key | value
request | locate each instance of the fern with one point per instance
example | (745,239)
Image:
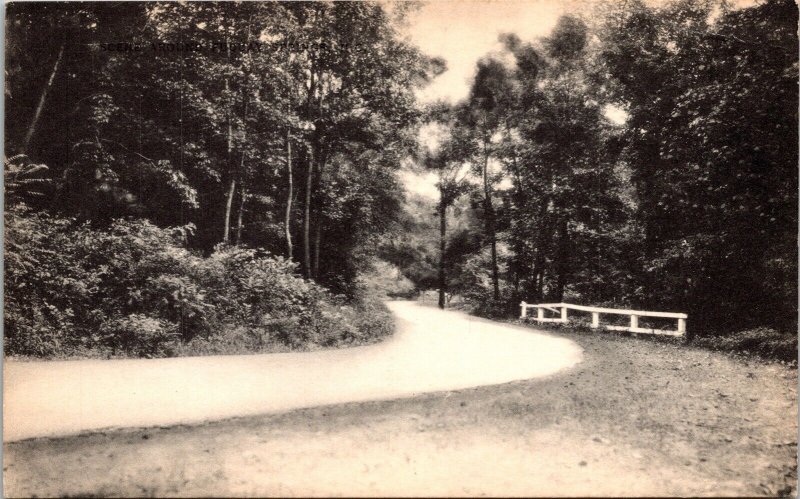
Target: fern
(22,178)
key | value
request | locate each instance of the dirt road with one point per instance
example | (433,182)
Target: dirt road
(633,418)
(431,351)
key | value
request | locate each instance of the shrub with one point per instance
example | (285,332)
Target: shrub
(141,335)
(48,291)
(762,341)
(144,269)
(489,307)
(133,289)
(372,319)
(386,279)
(476,288)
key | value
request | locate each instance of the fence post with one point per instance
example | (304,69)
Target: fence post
(595,320)
(524,311)
(634,321)
(564,314)
(539,314)
(682,326)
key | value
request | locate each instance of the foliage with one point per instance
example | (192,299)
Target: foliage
(765,342)
(140,335)
(561,226)
(197,128)
(711,143)
(199,121)
(446,161)
(23,180)
(133,290)
(386,280)
(47,290)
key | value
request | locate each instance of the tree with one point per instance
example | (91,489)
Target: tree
(446,159)
(717,192)
(243,119)
(490,96)
(411,243)
(347,89)
(65,27)
(563,214)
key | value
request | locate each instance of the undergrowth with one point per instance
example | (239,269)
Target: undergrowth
(134,290)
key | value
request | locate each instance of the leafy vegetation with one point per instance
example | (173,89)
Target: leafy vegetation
(762,341)
(133,289)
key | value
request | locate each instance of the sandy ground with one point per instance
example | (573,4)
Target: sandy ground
(431,351)
(633,418)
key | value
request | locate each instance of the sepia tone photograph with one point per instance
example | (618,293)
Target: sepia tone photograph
(443,248)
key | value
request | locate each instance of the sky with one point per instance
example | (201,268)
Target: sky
(463,31)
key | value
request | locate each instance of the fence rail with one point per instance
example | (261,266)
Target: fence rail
(562,308)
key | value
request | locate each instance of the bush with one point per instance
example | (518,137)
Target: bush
(349,325)
(475,286)
(386,279)
(489,307)
(373,320)
(69,288)
(762,341)
(48,290)
(141,336)
(133,290)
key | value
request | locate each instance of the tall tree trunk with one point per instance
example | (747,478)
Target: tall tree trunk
(317,241)
(518,202)
(240,173)
(489,216)
(232,189)
(321,160)
(535,284)
(311,113)
(42,99)
(288,217)
(307,214)
(650,248)
(228,209)
(561,262)
(495,271)
(545,240)
(540,283)
(240,216)
(442,247)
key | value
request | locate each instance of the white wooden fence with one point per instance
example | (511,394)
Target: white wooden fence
(561,309)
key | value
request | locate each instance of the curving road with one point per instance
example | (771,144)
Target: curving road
(432,350)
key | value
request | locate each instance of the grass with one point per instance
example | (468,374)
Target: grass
(763,343)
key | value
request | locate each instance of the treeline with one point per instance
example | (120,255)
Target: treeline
(291,149)
(646,157)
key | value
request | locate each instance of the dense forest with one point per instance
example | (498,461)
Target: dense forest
(222,177)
